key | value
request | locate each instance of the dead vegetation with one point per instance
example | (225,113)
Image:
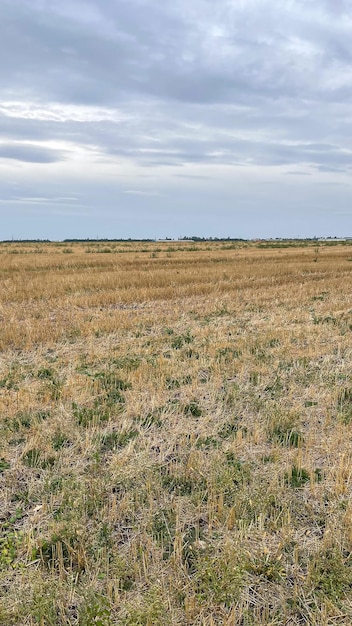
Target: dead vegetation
(175,434)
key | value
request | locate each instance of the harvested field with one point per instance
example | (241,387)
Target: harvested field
(175,429)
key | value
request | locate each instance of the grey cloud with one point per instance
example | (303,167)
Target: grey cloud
(298,173)
(30,153)
(179,143)
(168,51)
(330,168)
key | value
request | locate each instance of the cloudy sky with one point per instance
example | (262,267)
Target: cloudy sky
(155,118)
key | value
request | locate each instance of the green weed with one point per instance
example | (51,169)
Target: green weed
(4,465)
(88,415)
(192,408)
(344,405)
(36,458)
(297,477)
(219,578)
(116,440)
(330,573)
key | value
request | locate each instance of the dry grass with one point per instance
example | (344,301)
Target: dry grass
(175,434)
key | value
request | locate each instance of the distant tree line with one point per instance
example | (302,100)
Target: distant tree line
(195,238)
(25,241)
(104,240)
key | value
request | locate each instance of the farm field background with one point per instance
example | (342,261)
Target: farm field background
(175,434)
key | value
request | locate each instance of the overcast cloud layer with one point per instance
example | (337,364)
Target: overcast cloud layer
(141,118)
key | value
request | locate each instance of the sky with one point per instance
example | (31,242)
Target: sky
(172,118)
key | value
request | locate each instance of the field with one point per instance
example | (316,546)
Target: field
(175,433)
